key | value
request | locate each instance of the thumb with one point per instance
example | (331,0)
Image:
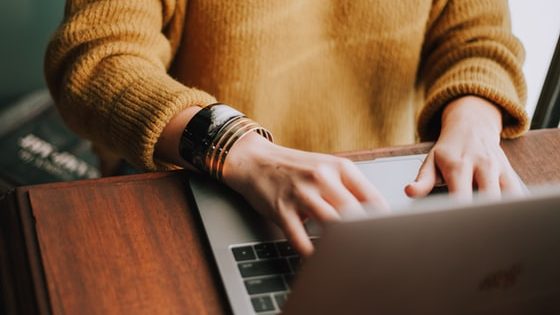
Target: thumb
(425,180)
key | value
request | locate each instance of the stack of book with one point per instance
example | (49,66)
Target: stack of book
(36,146)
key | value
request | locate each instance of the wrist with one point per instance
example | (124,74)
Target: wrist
(167,146)
(211,133)
(473,113)
(249,151)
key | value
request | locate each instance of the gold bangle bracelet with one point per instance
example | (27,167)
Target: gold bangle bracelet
(210,134)
(218,144)
(238,134)
(223,142)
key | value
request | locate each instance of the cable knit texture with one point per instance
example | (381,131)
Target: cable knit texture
(322,75)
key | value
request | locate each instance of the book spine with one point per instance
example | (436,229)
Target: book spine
(24,110)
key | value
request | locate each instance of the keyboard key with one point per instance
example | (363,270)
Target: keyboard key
(280,299)
(243,253)
(262,304)
(265,285)
(266,250)
(285,249)
(263,267)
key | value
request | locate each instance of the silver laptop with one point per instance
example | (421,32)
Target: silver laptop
(414,260)
(486,257)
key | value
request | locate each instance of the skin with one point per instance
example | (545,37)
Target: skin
(288,185)
(468,153)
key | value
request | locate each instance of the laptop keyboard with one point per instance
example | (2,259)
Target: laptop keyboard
(267,270)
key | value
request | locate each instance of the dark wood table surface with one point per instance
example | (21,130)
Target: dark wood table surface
(132,245)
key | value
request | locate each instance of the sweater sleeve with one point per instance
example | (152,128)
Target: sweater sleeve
(469,50)
(106,68)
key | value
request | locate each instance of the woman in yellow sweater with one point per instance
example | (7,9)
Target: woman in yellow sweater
(321,76)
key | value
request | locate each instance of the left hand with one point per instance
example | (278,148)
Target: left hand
(468,153)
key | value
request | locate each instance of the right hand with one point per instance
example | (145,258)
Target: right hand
(288,185)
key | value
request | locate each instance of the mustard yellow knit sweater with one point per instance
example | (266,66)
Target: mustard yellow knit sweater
(322,75)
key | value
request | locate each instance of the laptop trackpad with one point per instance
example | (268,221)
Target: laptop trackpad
(391,175)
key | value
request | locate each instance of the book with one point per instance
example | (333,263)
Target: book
(37,147)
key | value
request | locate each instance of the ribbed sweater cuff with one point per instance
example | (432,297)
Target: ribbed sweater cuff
(143,110)
(478,77)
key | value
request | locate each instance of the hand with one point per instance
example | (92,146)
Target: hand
(288,185)
(468,153)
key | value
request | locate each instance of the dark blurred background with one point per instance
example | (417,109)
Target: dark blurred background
(35,145)
(25,28)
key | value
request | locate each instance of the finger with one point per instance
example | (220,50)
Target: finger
(510,183)
(336,194)
(296,233)
(459,179)
(487,180)
(425,180)
(362,189)
(311,203)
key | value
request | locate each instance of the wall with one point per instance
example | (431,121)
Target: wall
(25,27)
(537,24)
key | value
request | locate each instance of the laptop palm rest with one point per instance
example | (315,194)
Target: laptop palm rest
(228,218)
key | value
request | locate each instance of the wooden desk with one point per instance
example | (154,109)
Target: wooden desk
(130,245)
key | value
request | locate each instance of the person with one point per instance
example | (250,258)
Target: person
(136,77)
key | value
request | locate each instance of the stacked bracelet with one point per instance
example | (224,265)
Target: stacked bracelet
(210,135)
